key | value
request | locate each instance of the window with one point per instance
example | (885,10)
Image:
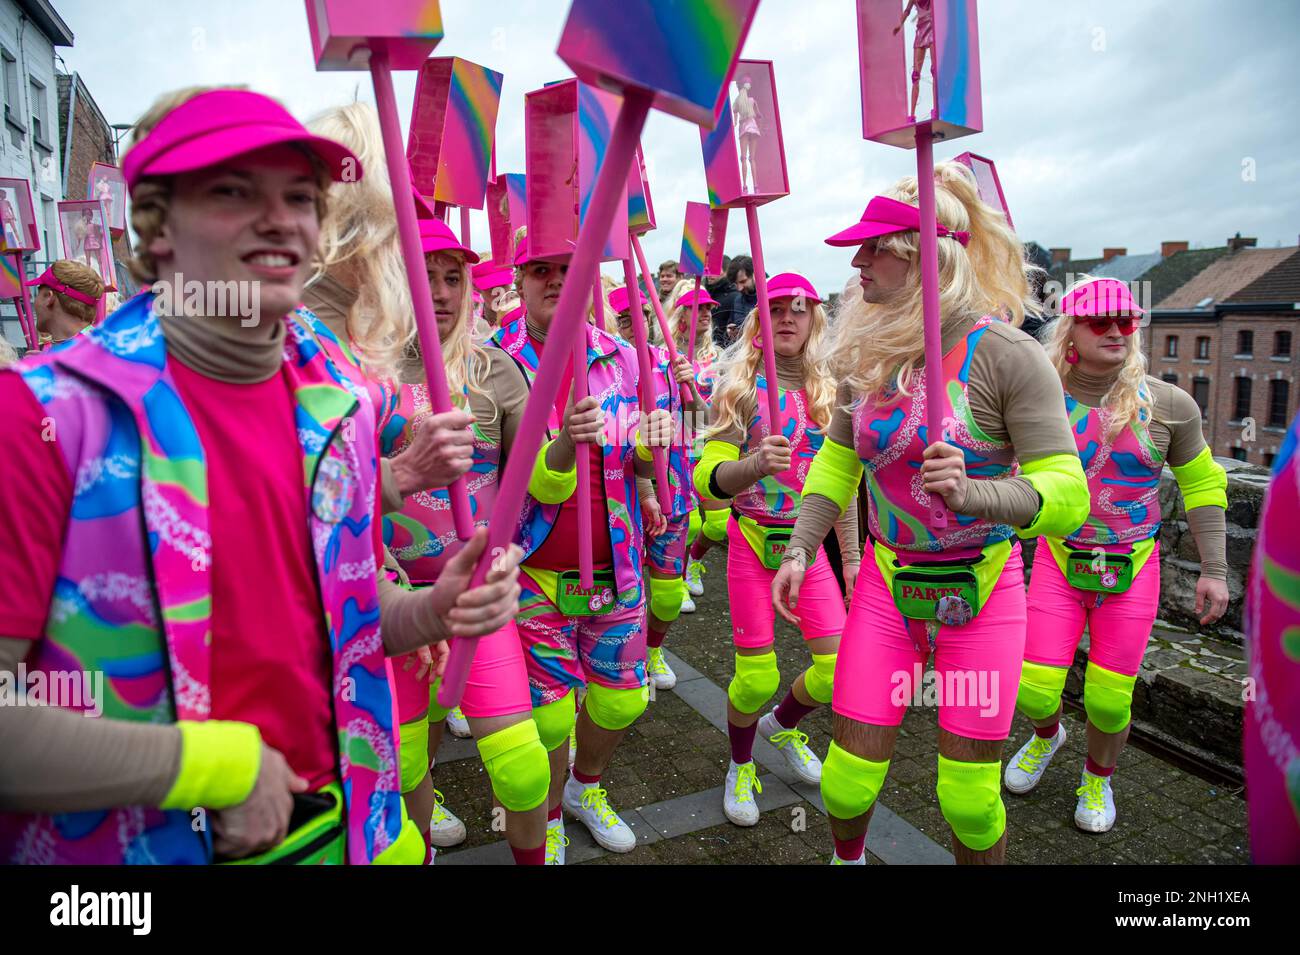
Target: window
(1171,346)
(1239,454)
(1241,399)
(1279,394)
(1281,344)
(12,112)
(1201,395)
(1268,459)
(1203,347)
(39,128)
(1245,343)
(1170,376)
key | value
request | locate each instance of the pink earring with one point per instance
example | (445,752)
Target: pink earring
(1072,355)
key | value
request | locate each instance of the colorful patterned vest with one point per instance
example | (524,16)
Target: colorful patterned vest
(133,595)
(891,439)
(668,395)
(1123,477)
(774,499)
(612,378)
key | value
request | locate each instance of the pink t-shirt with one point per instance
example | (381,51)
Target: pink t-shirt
(270,652)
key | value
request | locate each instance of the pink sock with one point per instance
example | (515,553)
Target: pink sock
(553,815)
(584,778)
(530,856)
(700,547)
(1047,732)
(742,742)
(850,850)
(1096,768)
(791,711)
(654,638)
(428,848)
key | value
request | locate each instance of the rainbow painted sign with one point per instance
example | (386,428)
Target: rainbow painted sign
(703,235)
(567,127)
(11,283)
(684,51)
(987,181)
(506,212)
(947,44)
(640,207)
(453,127)
(340,29)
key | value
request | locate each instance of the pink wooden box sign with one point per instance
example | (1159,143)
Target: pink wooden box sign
(506,212)
(640,207)
(453,126)
(567,126)
(986,179)
(18,217)
(407,29)
(703,235)
(682,50)
(886,61)
(744,155)
(84,227)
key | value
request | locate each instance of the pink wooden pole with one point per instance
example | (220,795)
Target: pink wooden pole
(570,311)
(464,227)
(426,323)
(695,320)
(26,315)
(688,391)
(930,303)
(764,320)
(646,381)
(582,452)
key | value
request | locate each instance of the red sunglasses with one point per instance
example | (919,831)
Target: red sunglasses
(1100,325)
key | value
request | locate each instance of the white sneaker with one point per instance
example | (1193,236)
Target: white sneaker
(793,746)
(657,668)
(695,577)
(860,860)
(556,841)
(590,806)
(445,829)
(1026,769)
(688,605)
(457,725)
(738,803)
(1095,811)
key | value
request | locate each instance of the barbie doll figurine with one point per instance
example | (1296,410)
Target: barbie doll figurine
(745,112)
(104,193)
(924,40)
(91,234)
(9,221)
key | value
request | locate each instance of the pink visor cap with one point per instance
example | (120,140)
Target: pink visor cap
(618,299)
(490,275)
(693,296)
(885,216)
(48,280)
(791,285)
(436,236)
(1099,297)
(220,125)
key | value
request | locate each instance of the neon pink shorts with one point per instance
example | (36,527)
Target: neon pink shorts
(497,686)
(1118,630)
(976,677)
(666,553)
(749,590)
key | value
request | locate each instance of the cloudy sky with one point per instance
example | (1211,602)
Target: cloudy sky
(1113,122)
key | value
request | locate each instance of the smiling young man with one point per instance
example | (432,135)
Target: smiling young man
(190,509)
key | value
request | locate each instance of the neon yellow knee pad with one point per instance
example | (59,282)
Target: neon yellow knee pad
(693,524)
(1108,698)
(517,765)
(666,598)
(615,709)
(554,721)
(819,679)
(1040,690)
(970,798)
(755,681)
(850,784)
(715,524)
(413,753)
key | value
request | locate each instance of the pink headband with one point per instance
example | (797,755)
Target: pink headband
(47,280)
(885,216)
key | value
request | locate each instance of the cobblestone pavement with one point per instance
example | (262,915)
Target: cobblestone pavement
(667,774)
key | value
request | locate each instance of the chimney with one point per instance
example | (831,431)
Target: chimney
(1059,256)
(1237,242)
(1169,248)
(1108,254)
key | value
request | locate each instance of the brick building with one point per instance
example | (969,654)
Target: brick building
(1227,337)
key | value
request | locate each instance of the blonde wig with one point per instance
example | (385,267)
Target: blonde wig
(679,322)
(879,344)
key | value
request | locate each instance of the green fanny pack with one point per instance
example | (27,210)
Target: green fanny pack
(1099,569)
(573,600)
(316,836)
(951,592)
(769,542)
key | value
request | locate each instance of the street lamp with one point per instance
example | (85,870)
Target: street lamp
(119,130)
